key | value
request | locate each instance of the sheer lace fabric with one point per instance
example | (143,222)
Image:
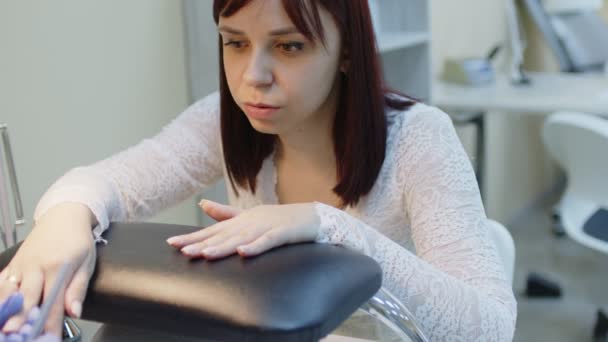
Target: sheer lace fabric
(423,221)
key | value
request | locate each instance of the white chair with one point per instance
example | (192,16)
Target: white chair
(579,144)
(505,246)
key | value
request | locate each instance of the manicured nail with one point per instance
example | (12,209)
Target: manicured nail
(209,251)
(76,308)
(11,326)
(173,240)
(190,250)
(202,202)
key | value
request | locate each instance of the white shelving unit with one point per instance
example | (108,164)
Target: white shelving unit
(391,41)
(403,37)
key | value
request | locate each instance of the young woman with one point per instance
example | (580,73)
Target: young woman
(312,148)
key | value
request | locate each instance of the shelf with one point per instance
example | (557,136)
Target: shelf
(389,41)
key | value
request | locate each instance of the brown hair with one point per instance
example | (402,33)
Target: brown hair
(359,128)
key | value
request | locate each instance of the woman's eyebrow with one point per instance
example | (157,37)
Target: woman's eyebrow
(277,32)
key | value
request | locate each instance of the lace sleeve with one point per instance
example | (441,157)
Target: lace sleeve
(455,284)
(157,173)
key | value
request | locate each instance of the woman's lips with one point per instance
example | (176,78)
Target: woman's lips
(260,110)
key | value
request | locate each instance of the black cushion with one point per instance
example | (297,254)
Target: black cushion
(299,292)
(597,225)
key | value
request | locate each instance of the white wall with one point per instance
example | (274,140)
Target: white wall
(83,79)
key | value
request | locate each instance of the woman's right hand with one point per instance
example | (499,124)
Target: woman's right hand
(62,235)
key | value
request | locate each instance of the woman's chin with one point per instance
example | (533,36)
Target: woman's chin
(264,126)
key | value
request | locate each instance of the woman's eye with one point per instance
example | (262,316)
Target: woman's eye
(237,44)
(291,46)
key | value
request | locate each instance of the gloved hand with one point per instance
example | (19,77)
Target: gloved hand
(12,306)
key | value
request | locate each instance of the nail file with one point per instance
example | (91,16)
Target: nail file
(48,303)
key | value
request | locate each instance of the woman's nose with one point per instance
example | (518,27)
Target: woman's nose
(259,71)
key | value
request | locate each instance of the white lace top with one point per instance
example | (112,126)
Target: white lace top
(423,220)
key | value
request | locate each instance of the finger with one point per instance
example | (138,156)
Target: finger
(272,238)
(54,323)
(31,288)
(6,283)
(180,241)
(197,249)
(228,247)
(76,292)
(6,288)
(217,211)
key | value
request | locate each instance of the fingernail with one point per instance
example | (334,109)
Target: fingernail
(173,240)
(202,202)
(209,251)
(191,250)
(11,326)
(76,308)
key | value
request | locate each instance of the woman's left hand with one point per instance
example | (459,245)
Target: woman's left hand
(249,232)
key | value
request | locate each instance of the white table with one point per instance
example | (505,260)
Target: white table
(547,92)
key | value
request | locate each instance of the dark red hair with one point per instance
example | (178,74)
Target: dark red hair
(359,129)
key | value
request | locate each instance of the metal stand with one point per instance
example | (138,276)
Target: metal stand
(386,308)
(71,331)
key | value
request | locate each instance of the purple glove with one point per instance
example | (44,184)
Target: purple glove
(10,307)
(20,338)
(47,337)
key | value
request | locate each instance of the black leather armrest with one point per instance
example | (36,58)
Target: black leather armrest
(299,292)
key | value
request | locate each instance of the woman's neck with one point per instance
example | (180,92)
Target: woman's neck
(306,169)
(311,149)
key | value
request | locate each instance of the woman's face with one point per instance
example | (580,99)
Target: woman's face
(282,82)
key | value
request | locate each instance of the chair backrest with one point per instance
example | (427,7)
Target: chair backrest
(574,31)
(505,246)
(579,143)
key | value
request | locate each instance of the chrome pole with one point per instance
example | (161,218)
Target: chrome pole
(9,233)
(20,218)
(389,310)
